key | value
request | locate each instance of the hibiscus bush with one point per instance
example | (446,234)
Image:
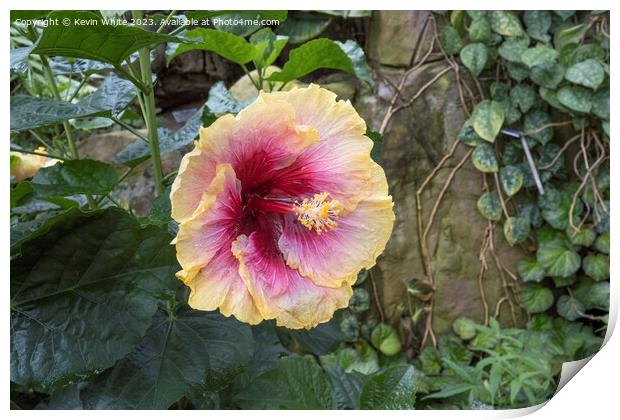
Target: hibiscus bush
(247,282)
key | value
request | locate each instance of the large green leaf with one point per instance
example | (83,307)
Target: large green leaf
(576,98)
(320,53)
(547,75)
(487,119)
(230,46)
(391,389)
(139,151)
(538,55)
(569,307)
(596,266)
(536,298)
(505,22)
(530,269)
(558,258)
(83,293)
(109,100)
(88,36)
(296,383)
(180,352)
(474,57)
(588,73)
(484,158)
(71,177)
(347,387)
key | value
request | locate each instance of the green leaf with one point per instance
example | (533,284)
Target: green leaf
(511,178)
(583,237)
(530,269)
(487,119)
(322,53)
(138,151)
(346,386)
(385,339)
(392,389)
(363,359)
(296,383)
(547,75)
(524,96)
(505,22)
(539,55)
(109,100)
(571,35)
(517,71)
(600,104)
(484,158)
(489,206)
(268,47)
(594,295)
(558,258)
(538,23)
(321,339)
(596,266)
(516,230)
(178,353)
(302,28)
(588,73)
(93,39)
(533,121)
(536,298)
(450,40)
(464,328)
(229,21)
(230,46)
(569,308)
(474,57)
(512,48)
(358,59)
(602,243)
(480,30)
(469,136)
(430,360)
(576,98)
(72,177)
(83,292)
(19,59)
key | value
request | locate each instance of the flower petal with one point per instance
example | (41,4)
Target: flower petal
(340,162)
(281,292)
(218,285)
(335,257)
(213,223)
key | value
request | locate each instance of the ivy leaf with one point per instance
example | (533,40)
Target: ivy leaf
(474,57)
(538,23)
(547,75)
(569,308)
(83,292)
(524,96)
(602,243)
(596,266)
(450,40)
(535,120)
(600,104)
(588,73)
(296,383)
(392,389)
(516,230)
(94,40)
(558,258)
(576,98)
(536,298)
(517,71)
(385,338)
(505,22)
(511,178)
(530,270)
(322,53)
(178,353)
(571,35)
(489,206)
(480,30)
(484,158)
(487,119)
(72,177)
(538,55)
(230,46)
(512,48)
(583,237)
(469,136)
(594,295)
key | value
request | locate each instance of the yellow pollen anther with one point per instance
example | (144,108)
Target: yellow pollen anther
(318,212)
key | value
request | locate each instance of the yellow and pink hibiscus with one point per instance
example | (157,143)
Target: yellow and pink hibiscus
(26,165)
(279,208)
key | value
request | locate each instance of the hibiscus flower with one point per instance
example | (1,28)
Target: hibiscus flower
(26,165)
(279,208)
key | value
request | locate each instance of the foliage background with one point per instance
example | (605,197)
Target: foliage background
(98,319)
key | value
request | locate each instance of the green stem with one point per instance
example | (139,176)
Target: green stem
(247,73)
(32,152)
(52,82)
(165,22)
(149,114)
(77,89)
(131,129)
(39,139)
